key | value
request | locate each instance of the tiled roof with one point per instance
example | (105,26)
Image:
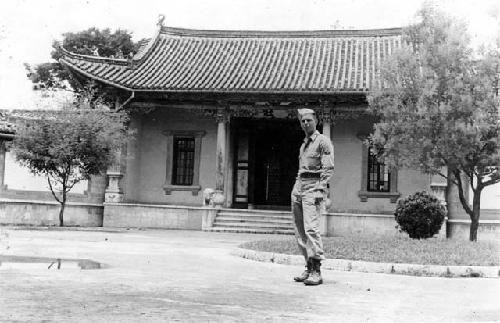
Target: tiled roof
(7,128)
(247,61)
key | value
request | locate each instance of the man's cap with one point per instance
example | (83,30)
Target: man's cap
(304,111)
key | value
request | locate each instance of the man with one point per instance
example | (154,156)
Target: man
(309,194)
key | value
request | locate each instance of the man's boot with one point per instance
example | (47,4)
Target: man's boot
(315,276)
(306,273)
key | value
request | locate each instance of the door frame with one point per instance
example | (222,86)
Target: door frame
(242,125)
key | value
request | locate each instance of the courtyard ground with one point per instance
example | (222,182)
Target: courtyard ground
(190,276)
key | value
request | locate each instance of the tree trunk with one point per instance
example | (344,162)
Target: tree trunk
(474,225)
(473,212)
(61,211)
(476,207)
(61,215)
(474,218)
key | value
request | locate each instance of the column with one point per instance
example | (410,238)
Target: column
(228,186)
(327,123)
(221,118)
(2,164)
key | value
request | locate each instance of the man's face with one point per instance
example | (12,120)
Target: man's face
(308,123)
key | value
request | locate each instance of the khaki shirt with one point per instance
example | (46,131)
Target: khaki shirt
(316,157)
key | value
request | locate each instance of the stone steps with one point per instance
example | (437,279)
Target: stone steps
(249,230)
(256,216)
(271,226)
(256,219)
(253,221)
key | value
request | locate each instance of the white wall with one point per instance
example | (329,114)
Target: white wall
(490,197)
(20,178)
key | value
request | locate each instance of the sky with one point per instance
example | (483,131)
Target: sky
(28,27)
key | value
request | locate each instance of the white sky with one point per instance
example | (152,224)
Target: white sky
(27,27)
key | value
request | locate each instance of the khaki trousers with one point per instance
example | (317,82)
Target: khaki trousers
(307,209)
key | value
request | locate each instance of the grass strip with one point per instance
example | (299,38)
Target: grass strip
(397,249)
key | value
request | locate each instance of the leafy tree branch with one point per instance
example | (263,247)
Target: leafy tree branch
(439,107)
(69,145)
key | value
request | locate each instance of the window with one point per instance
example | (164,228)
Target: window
(377,180)
(183,161)
(378,174)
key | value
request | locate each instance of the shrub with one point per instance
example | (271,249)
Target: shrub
(420,215)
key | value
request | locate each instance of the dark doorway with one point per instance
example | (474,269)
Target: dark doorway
(275,163)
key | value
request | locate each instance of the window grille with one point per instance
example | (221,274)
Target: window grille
(183,168)
(379,177)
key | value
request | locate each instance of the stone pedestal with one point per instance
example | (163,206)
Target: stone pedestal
(208,218)
(114,192)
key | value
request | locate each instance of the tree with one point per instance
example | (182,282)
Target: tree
(104,43)
(439,108)
(70,145)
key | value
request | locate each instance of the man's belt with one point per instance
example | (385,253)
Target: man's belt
(310,175)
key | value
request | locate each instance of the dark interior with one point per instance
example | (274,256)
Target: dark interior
(273,159)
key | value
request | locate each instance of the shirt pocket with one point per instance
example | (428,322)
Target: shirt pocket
(313,160)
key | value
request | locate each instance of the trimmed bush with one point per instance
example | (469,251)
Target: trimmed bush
(420,215)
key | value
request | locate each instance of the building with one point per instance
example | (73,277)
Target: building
(217,110)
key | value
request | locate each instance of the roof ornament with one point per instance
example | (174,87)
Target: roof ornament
(95,50)
(161,18)
(119,54)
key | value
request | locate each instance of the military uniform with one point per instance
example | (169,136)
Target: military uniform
(309,195)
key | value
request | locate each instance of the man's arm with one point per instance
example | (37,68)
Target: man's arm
(327,163)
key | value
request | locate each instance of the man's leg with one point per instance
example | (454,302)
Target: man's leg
(298,218)
(312,215)
(300,234)
(311,209)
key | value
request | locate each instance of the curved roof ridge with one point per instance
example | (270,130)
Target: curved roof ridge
(144,50)
(281,33)
(97,59)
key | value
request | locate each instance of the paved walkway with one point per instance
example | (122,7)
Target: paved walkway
(191,277)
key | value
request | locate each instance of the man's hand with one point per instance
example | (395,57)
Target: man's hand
(319,196)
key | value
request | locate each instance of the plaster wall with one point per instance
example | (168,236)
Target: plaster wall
(147,157)
(460,228)
(35,213)
(153,216)
(347,138)
(18,177)
(490,197)
(131,162)
(355,224)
